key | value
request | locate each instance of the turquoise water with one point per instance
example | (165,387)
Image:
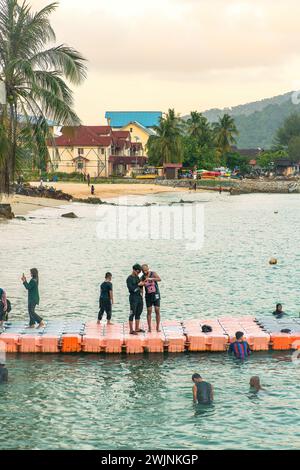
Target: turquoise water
(144,402)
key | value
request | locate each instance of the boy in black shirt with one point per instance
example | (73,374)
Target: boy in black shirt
(106,299)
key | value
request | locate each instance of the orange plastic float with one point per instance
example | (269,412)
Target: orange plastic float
(199,341)
(284,341)
(155,341)
(174,336)
(71,343)
(113,338)
(10,341)
(49,343)
(133,344)
(30,343)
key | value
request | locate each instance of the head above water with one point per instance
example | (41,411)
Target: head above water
(34,274)
(137,268)
(239,335)
(108,276)
(279,307)
(196,378)
(255,382)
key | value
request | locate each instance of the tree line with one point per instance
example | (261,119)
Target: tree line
(193,142)
(196,142)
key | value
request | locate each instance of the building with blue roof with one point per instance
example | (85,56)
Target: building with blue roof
(119,119)
(140,124)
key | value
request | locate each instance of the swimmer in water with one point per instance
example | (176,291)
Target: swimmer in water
(202,391)
(255,384)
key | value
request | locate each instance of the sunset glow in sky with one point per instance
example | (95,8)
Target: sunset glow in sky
(187,54)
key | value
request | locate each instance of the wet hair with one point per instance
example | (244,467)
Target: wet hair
(35,274)
(278,305)
(196,376)
(239,334)
(145,265)
(255,382)
(107,275)
(137,267)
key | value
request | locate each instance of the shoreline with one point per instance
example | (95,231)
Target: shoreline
(23,205)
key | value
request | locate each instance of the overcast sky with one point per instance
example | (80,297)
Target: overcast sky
(186,54)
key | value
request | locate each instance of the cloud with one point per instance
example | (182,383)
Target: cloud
(176,43)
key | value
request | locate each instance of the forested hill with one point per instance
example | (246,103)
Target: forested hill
(258,122)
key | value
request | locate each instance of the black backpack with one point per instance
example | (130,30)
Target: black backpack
(206,329)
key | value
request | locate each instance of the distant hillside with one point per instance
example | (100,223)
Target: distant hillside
(258,122)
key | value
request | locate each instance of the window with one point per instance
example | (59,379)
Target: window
(102,151)
(80,151)
(80,165)
(131,129)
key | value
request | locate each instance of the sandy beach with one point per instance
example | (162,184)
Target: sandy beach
(108,190)
(22,205)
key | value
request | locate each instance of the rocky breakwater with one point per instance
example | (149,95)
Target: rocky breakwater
(42,191)
(276,186)
(6,212)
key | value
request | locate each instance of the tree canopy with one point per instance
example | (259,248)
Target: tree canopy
(34,71)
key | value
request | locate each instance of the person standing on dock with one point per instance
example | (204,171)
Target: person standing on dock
(33,298)
(3,307)
(106,299)
(135,287)
(240,348)
(152,295)
(202,391)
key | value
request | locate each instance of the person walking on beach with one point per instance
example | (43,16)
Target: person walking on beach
(106,299)
(135,288)
(279,313)
(92,190)
(3,307)
(240,348)
(202,391)
(152,295)
(3,373)
(33,298)
(88,178)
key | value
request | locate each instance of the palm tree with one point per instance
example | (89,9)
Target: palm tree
(225,131)
(33,74)
(199,128)
(166,146)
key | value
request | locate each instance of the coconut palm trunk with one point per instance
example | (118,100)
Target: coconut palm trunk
(33,71)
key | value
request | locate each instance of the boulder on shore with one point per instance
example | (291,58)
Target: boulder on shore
(6,212)
(70,215)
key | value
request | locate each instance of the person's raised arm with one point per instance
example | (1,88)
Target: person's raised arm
(133,287)
(28,285)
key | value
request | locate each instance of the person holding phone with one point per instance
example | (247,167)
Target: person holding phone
(33,298)
(152,296)
(135,286)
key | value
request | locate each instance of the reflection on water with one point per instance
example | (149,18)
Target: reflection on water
(103,402)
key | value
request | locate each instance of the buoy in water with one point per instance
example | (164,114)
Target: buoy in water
(273,261)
